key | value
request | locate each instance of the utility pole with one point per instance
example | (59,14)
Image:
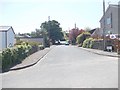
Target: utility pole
(48,18)
(75,25)
(48,31)
(104,25)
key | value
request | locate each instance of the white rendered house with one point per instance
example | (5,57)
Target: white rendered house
(7,36)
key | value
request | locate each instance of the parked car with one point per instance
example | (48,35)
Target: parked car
(66,43)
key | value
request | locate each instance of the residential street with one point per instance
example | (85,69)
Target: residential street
(66,67)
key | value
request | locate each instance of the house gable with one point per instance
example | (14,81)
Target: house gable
(6,29)
(7,37)
(109,7)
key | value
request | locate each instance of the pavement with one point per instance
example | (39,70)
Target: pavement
(101,52)
(34,58)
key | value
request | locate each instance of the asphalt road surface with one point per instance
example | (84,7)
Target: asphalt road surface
(66,67)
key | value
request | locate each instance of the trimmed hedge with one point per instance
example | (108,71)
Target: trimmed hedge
(12,56)
(88,43)
(41,47)
(16,54)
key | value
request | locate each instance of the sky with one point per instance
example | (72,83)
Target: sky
(27,15)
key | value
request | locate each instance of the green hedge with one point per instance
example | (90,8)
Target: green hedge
(12,56)
(88,43)
(41,47)
(15,55)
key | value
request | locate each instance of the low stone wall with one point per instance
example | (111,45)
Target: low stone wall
(114,43)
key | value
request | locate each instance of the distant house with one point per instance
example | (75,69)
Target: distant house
(91,31)
(97,33)
(7,35)
(111,20)
(31,39)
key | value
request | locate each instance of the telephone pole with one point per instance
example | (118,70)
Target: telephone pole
(75,25)
(104,25)
(48,18)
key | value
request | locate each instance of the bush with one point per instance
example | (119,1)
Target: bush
(88,43)
(34,47)
(28,43)
(41,47)
(14,55)
(31,47)
(21,52)
(18,42)
(79,45)
(33,43)
(6,58)
(82,37)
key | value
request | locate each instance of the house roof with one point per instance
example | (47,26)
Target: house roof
(6,28)
(91,31)
(97,32)
(110,6)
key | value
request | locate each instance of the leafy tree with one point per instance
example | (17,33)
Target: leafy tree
(53,30)
(73,34)
(37,33)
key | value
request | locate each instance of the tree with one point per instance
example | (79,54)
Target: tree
(53,29)
(73,34)
(37,33)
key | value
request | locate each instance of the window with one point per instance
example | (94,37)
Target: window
(108,21)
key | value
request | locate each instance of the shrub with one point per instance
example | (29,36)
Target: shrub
(88,43)
(18,42)
(91,43)
(33,43)
(82,37)
(30,47)
(6,58)
(21,52)
(41,47)
(14,55)
(34,47)
(79,45)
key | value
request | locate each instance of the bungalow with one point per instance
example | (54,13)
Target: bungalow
(7,35)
